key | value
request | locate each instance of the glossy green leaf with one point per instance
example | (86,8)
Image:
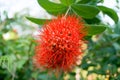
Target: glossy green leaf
(67,2)
(52,8)
(20,63)
(110,12)
(94,29)
(38,21)
(83,1)
(94,20)
(84,10)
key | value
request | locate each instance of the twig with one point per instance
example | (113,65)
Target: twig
(67,11)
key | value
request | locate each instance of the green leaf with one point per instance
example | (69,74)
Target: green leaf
(83,1)
(94,20)
(21,62)
(84,10)
(5,60)
(38,21)
(94,29)
(110,12)
(52,8)
(67,2)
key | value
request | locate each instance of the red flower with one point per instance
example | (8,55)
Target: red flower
(60,43)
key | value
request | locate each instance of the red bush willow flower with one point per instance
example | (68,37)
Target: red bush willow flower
(60,43)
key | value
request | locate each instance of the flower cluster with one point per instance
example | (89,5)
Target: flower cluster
(59,43)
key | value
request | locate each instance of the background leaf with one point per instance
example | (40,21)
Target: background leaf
(94,20)
(38,21)
(83,1)
(84,10)
(67,2)
(52,8)
(95,29)
(110,12)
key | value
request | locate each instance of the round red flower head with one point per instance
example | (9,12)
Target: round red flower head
(60,43)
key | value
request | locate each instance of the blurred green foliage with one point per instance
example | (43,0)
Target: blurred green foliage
(103,54)
(15,51)
(101,59)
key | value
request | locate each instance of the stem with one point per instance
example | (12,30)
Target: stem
(29,51)
(11,72)
(61,75)
(13,77)
(67,11)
